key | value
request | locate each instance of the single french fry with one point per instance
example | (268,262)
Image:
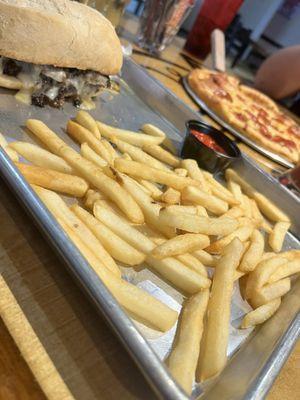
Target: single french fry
(236,191)
(139,170)
(269,209)
(181,172)
(88,170)
(201,211)
(254,253)
(261,275)
(135,138)
(214,355)
(140,304)
(53,180)
(276,237)
(243,233)
(181,244)
(87,121)
(87,152)
(60,210)
(270,292)
(291,254)
(41,157)
(154,131)
(162,155)
(137,154)
(197,224)
(196,173)
(260,314)
(182,361)
(247,207)
(12,154)
(10,82)
(175,208)
(207,259)
(113,244)
(83,135)
(195,195)
(285,270)
(171,196)
(112,152)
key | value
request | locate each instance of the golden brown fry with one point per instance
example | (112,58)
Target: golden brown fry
(265,205)
(88,170)
(41,157)
(197,224)
(12,154)
(154,190)
(214,355)
(261,314)
(197,196)
(243,233)
(53,180)
(234,212)
(171,196)
(139,170)
(113,244)
(91,197)
(270,292)
(181,244)
(254,253)
(82,135)
(161,154)
(219,190)
(88,153)
(60,210)
(152,130)
(87,121)
(236,191)
(137,139)
(110,149)
(181,172)
(182,361)
(137,154)
(207,259)
(276,237)
(285,270)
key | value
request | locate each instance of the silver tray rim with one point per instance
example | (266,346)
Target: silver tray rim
(272,156)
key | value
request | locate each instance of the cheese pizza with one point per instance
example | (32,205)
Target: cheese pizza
(249,111)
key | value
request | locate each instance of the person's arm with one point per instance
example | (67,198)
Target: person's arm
(279,75)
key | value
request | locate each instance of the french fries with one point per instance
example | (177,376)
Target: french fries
(113,244)
(254,253)
(137,139)
(214,356)
(197,224)
(260,314)
(197,196)
(182,361)
(285,270)
(12,154)
(85,119)
(139,170)
(87,152)
(59,209)
(181,244)
(270,292)
(53,180)
(171,196)
(243,233)
(176,232)
(152,130)
(277,236)
(83,135)
(41,157)
(265,205)
(195,172)
(137,154)
(88,170)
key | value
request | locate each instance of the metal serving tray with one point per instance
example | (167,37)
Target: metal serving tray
(255,356)
(273,156)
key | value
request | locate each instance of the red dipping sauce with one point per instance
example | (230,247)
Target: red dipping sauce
(208,141)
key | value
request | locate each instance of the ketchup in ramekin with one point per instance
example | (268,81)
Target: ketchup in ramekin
(213,150)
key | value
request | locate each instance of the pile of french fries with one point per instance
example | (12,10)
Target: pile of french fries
(138,204)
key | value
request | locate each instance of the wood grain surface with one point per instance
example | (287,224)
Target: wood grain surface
(82,347)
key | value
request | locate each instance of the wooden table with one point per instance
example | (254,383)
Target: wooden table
(83,349)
